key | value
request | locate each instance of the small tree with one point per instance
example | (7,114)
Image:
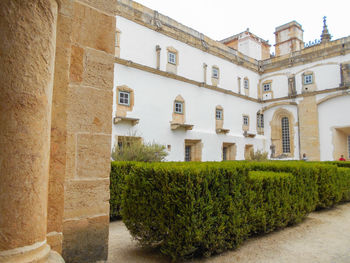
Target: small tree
(135,150)
(259,156)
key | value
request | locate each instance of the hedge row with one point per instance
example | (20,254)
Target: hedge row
(189,209)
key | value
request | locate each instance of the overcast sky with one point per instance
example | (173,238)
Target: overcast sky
(219,19)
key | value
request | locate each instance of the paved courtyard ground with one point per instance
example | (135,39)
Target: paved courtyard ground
(323,237)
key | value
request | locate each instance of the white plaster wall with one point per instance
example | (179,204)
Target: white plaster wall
(138,44)
(154,97)
(326,75)
(268,115)
(331,114)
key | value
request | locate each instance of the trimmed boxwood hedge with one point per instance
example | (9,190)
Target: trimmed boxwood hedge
(190,209)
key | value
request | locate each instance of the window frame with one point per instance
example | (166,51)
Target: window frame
(172,57)
(215,72)
(175,108)
(220,115)
(120,92)
(260,120)
(267,85)
(246,83)
(188,154)
(306,76)
(224,153)
(285,129)
(245,120)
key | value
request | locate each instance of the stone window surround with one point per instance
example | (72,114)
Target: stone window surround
(276,131)
(309,86)
(260,123)
(245,118)
(177,117)
(270,91)
(215,72)
(196,149)
(215,79)
(231,151)
(246,86)
(122,109)
(170,66)
(171,50)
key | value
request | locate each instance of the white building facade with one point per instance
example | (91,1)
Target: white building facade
(206,101)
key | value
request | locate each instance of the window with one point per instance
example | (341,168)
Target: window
(245,120)
(260,120)
(349,146)
(187,153)
(124,98)
(178,107)
(224,153)
(285,135)
(246,84)
(219,114)
(172,58)
(267,87)
(307,79)
(215,73)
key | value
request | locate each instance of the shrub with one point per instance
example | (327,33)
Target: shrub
(117,181)
(189,209)
(134,150)
(271,200)
(259,156)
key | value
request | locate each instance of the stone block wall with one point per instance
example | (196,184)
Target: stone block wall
(78,209)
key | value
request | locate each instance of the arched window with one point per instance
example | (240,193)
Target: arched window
(285,135)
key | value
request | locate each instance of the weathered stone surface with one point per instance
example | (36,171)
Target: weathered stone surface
(86,198)
(93,29)
(98,69)
(89,110)
(108,7)
(71,156)
(27,48)
(76,64)
(55,239)
(86,240)
(309,134)
(93,156)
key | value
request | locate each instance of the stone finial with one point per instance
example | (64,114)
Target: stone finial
(325,37)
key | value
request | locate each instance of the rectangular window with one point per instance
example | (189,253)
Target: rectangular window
(178,107)
(285,135)
(260,120)
(215,73)
(308,79)
(224,153)
(172,58)
(124,98)
(267,86)
(219,114)
(245,120)
(187,153)
(246,84)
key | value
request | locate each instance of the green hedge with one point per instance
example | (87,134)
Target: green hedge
(190,209)
(117,181)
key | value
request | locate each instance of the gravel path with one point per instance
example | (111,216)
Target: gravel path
(323,237)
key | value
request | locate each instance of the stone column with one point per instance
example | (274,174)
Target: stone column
(27,54)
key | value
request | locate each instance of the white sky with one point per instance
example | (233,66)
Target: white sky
(219,19)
